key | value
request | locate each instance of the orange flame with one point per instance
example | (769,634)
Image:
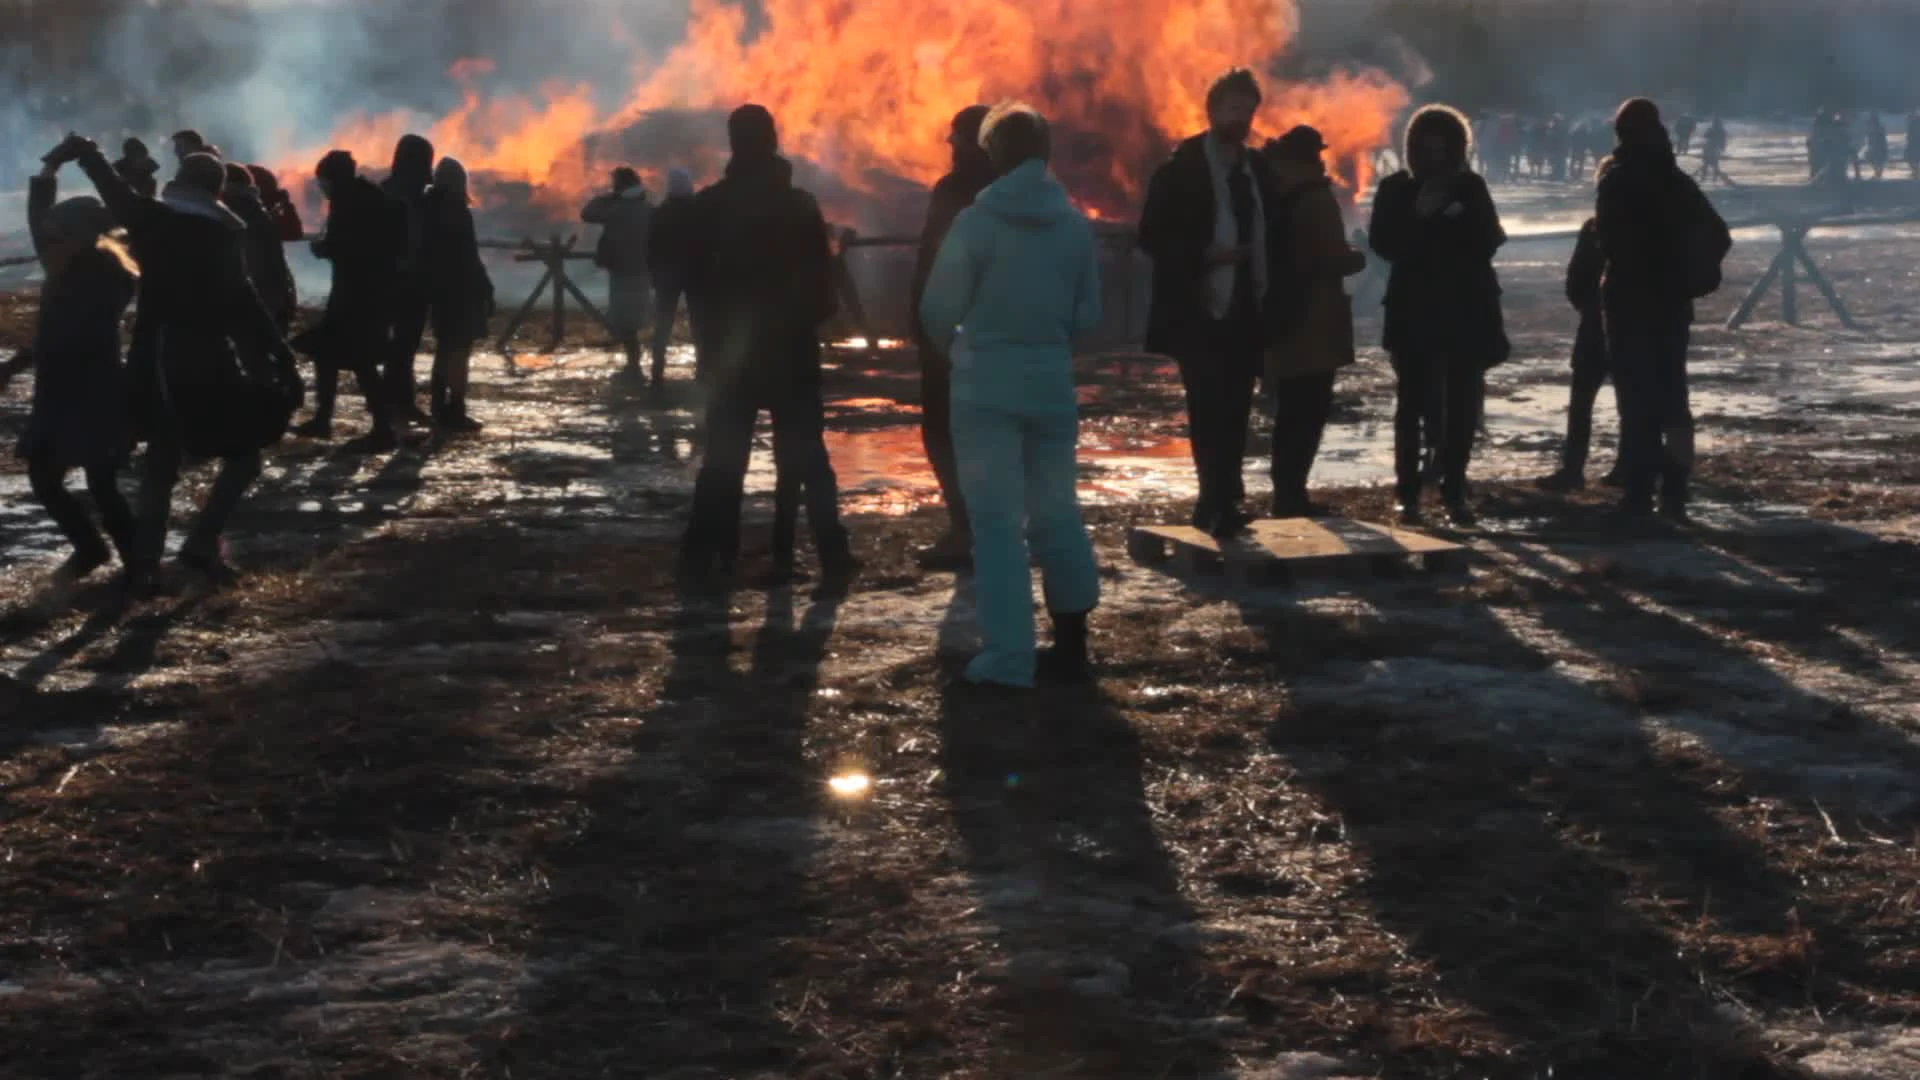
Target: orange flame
(865,91)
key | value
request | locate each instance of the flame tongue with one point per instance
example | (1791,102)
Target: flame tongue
(865,91)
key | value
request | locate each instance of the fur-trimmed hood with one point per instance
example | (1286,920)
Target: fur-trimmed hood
(1441,119)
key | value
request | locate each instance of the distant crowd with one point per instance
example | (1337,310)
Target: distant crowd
(1249,249)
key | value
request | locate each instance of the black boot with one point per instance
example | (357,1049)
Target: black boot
(1067,662)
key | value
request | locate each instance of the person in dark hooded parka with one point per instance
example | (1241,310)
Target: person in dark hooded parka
(266,253)
(462,294)
(971,173)
(361,240)
(210,374)
(79,418)
(1437,225)
(407,185)
(1658,232)
(137,167)
(762,277)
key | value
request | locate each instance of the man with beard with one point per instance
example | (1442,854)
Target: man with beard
(361,240)
(972,172)
(1204,227)
(210,373)
(762,270)
(407,184)
(1663,243)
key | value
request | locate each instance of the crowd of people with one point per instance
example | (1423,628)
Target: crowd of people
(1250,254)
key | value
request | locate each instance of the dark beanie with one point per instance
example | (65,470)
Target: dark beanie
(238,176)
(202,171)
(1303,143)
(337,167)
(1637,120)
(966,124)
(751,133)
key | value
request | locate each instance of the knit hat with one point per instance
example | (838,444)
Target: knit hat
(202,171)
(238,176)
(1303,143)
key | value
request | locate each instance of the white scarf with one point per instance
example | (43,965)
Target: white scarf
(1226,233)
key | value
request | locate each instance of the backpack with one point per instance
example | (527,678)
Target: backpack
(1703,238)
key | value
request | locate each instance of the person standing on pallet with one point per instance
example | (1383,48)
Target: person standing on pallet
(1204,227)
(624,217)
(972,172)
(1309,317)
(1017,280)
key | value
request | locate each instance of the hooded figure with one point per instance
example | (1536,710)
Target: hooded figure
(79,418)
(461,292)
(361,239)
(762,283)
(1435,223)
(210,372)
(1016,282)
(625,218)
(1204,227)
(1310,318)
(407,184)
(1656,228)
(137,167)
(266,253)
(972,171)
(668,255)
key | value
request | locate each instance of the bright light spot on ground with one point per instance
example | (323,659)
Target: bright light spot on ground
(850,785)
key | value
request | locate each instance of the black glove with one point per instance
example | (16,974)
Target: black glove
(72,148)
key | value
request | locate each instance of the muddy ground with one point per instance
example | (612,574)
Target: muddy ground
(458,783)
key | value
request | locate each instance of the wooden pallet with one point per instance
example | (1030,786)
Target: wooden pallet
(1288,548)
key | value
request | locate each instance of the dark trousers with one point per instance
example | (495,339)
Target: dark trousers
(666,304)
(360,347)
(452,369)
(1437,397)
(1301,406)
(1219,385)
(936,432)
(49,484)
(801,463)
(1656,417)
(164,457)
(410,314)
(1590,366)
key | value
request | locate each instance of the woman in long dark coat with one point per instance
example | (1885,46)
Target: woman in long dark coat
(80,397)
(1436,224)
(462,293)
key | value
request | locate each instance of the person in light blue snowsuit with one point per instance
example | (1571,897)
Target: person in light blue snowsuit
(1016,280)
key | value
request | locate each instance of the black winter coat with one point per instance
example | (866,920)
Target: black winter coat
(762,275)
(266,258)
(461,289)
(199,324)
(670,240)
(363,238)
(1646,208)
(953,193)
(80,414)
(1443,296)
(1176,229)
(1584,271)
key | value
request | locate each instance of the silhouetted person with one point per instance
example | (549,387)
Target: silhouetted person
(1683,130)
(188,142)
(137,167)
(361,239)
(1663,243)
(971,173)
(1438,227)
(266,253)
(1713,149)
(79,418)
(624,217)
(762,279)
(406,184)
(1204,228)
(668,241)
(279,205)
(211,375)
(1877,152)
(461,292)
(1016,281)
(1309,317)
(1910,152)
(1590,361)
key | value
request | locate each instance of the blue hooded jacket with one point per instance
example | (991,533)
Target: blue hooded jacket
(1017,279)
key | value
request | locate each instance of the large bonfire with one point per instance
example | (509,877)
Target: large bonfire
(864,91)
